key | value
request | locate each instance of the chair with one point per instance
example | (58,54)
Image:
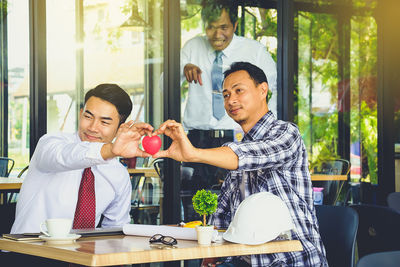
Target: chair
(332,188)
(159,166)
(393,200)
(12,197)
(381,259)
(5,168)
(338,229)
(378,229)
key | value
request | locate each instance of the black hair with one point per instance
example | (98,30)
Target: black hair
(212,10)
(255,73)
(115,95)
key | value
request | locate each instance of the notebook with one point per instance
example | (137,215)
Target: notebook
(31,237)
(22,237)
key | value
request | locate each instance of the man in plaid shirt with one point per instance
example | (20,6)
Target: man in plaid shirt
(271,157)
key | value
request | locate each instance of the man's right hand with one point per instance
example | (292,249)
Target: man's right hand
(127,139)
(181,149)
(192,73)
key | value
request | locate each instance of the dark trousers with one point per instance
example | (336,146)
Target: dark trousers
(237,262)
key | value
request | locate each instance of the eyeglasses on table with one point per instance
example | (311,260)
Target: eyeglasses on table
(166,240)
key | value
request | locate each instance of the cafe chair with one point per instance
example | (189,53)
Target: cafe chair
(6,166)
(338,228)
(12,197)
(331,188)
(381,259)
(378,229)
(393,200)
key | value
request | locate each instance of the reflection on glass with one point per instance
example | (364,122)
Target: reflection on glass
(107,46)
(363,87)
(336,66)
(18,83)
(206,30)
(61,66)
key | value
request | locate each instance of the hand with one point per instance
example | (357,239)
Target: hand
(192,73)
(181,149)
(210,262)
(128,137)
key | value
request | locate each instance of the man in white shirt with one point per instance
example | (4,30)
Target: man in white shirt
(198,58)
(51,186)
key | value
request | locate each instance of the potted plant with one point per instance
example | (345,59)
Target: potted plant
(205,203)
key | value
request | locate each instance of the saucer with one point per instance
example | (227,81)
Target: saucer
(60,240)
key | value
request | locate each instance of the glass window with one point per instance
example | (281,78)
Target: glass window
(108,41)
(18,83)
(337,89)
(62,90)
(206,30)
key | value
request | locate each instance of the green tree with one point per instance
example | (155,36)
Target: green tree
(205,203)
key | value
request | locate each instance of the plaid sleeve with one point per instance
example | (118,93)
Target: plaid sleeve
(277,150)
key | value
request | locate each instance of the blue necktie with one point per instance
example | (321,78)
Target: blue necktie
(216,79)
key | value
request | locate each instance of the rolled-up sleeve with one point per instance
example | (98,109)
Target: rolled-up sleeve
(274,152)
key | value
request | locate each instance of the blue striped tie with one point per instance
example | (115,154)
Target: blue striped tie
(216,79)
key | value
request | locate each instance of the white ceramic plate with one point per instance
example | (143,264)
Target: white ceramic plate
(60,240)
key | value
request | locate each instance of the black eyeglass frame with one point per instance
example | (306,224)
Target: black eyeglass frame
(159,238)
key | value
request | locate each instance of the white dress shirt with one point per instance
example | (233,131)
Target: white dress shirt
(198,51)
(50,188)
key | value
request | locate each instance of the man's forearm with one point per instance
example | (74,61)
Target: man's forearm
(222,157)
(106,151)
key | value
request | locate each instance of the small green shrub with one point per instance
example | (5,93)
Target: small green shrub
(205,203)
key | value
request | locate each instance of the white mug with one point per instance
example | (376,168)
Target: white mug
(57,227)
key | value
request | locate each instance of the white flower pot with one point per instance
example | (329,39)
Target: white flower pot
(204,234)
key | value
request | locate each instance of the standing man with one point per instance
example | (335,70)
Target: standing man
(271,158)
(203,60)
(78,176)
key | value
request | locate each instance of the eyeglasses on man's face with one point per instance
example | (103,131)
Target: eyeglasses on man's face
(166,240)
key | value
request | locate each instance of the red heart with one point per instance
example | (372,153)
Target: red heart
(151,144)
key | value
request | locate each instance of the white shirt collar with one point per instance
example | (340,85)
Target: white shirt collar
(227,51)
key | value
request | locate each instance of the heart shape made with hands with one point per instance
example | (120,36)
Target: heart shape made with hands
(151,144)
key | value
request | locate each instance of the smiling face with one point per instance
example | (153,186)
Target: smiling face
(244,101)
(220,32)
(98,121)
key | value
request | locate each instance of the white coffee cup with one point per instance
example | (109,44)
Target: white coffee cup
(56,227)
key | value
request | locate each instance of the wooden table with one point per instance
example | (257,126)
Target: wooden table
(328,177)
(7,183)
(146,172)
(119,250)
(331,177)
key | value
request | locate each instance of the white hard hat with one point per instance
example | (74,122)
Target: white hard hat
(260,218)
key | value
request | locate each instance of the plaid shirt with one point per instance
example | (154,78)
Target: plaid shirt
(273,158)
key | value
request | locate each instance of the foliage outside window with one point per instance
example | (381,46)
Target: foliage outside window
(319,92)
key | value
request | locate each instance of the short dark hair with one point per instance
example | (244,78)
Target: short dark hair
(115,95)
(212,10)
(255,73)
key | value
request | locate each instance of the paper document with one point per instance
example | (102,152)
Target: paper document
(150,230)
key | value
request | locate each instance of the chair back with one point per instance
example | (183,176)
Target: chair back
(393,200)
(338,228)
(159,167)
(335,167)
(381,259)
(6,166)
(378,229)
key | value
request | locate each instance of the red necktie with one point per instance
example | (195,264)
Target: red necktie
(85,212)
